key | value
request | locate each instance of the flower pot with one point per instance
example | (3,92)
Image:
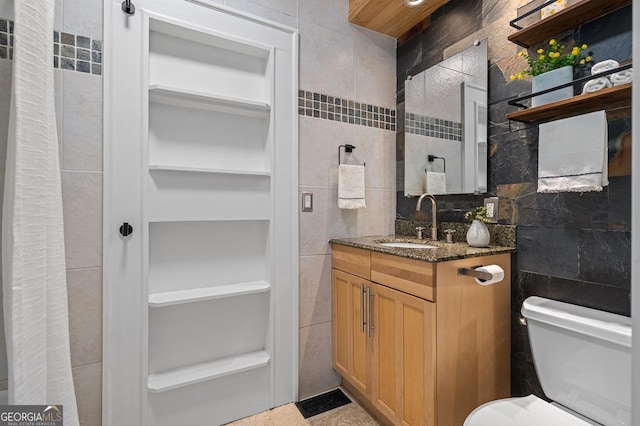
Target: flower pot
(552,79)
(478,234)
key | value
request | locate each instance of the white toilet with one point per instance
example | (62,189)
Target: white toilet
(583,360)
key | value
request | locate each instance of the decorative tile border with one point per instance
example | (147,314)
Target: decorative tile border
(327,107)
(6,39)
(433,127)
(77,53)
(70,51)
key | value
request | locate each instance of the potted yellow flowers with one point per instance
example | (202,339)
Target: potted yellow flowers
(550,68)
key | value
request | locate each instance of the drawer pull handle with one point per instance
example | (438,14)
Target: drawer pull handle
(362,317)
(369,326)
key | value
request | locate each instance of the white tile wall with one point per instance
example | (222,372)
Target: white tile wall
(315,290)
(87,380)
(325,222)
(83,17)
(377,148)
(84,288)
(375,68)
(287,7)
(5,104)
(329,14)
(327,62)
(282,11)
(82,204)
(82,121)
(338,59)
(316,372)
(318,150)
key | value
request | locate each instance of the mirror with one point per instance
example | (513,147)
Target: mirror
(445,128)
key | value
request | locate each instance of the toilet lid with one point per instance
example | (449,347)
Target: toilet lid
(526,411)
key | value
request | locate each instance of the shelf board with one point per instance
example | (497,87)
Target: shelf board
(392,18)
(577,14)
(206,101)
(164,167)
(162,382)
(613,97)
(170,298)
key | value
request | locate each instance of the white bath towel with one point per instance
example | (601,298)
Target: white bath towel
(596,84)
(573,154)
(436,183)
(603,66)
(351,187)
(622,77)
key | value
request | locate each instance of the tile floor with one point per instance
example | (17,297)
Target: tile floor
(288,415)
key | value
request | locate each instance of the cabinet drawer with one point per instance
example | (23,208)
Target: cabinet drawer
(352,260)
(408,275)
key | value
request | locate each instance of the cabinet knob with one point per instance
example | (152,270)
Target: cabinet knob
(126,229)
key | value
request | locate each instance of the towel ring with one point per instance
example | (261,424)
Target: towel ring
(348,148)
(432,158)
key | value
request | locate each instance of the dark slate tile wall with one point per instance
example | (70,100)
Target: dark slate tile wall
(571,247)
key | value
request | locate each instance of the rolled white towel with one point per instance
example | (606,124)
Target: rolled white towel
(622,77)
(603,66)
(596,84)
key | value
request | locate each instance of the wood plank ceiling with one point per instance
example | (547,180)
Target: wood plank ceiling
(391,17)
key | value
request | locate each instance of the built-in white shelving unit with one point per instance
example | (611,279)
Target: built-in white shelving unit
(200,100)
(169,298)
(210,198)
(202,162)
(205,170)
(206,371)
(210,203)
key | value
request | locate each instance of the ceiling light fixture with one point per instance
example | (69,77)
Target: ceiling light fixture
(413,3)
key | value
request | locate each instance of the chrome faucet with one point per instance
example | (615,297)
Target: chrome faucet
(434,223)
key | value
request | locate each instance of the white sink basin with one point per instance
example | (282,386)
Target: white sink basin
(409,245)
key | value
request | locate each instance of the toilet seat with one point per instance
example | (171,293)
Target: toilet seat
(526,411)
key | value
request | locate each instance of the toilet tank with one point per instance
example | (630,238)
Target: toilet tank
(582,357)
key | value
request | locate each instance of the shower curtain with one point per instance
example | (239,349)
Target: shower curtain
(33,258)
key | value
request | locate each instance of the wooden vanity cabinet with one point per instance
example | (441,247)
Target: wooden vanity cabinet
(351,347)
(403,356)
(433,346)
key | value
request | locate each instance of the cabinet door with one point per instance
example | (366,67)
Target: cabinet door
(351,346)
(403,357)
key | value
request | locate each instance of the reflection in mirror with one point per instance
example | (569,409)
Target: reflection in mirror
(445,137)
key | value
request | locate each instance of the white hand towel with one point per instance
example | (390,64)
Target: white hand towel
(436,183)
(596,84)
(603,66)
(573,154)
(622,77)
(351,187)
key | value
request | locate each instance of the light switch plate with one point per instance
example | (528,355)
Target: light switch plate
(307,201)
(491,204)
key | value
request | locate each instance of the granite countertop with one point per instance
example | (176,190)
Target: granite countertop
(444,251)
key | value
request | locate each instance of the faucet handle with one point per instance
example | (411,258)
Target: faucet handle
(449,233)
(420,231)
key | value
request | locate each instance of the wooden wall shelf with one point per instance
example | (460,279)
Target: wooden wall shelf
(606,99)
(571,17)
(390,17)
